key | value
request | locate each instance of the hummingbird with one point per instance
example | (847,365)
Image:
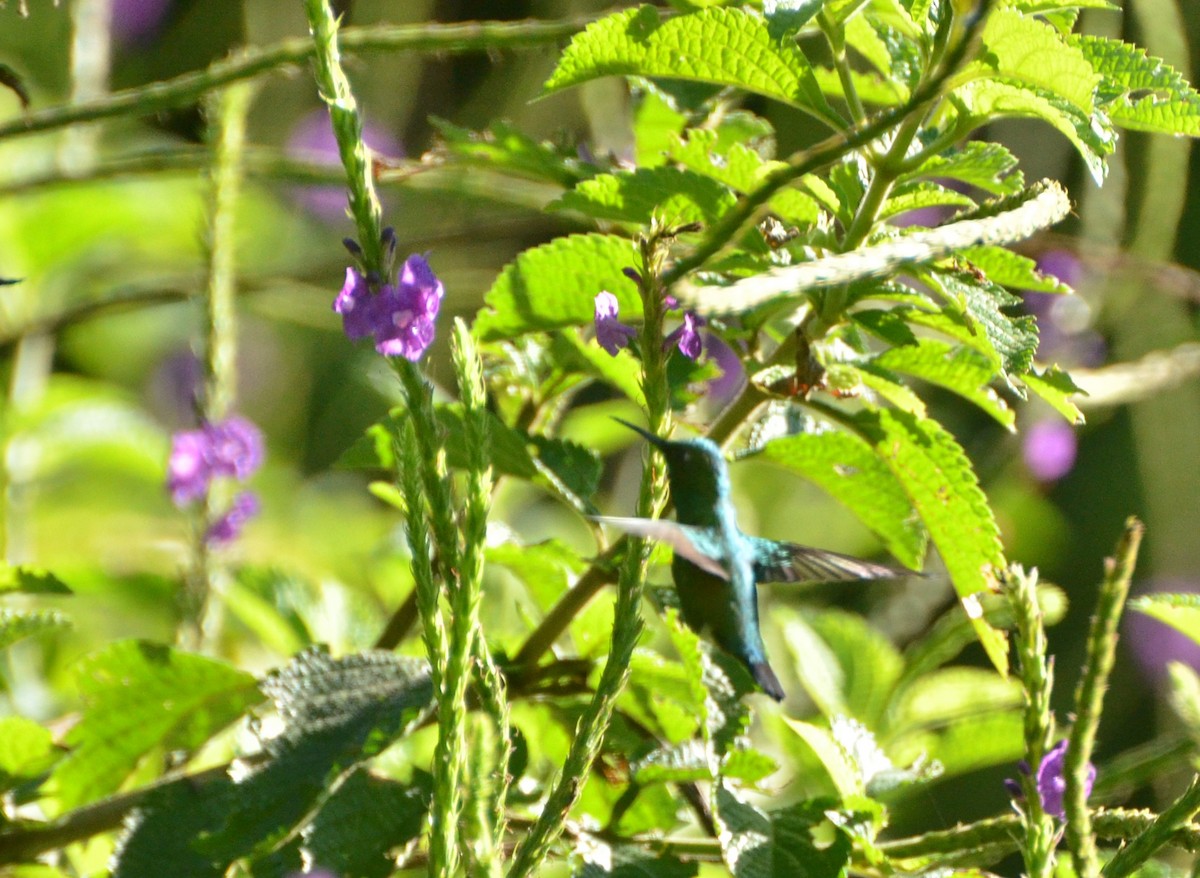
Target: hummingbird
(716,567)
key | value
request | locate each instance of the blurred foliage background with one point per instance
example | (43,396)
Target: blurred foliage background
(98,347)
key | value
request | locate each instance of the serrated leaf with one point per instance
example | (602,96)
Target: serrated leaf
(628,861)
(1025,50)
(503,147)
(27,579)
(1013,338)
(941,484)
(919,195)
(830,755)
(1138,91)
(989,166)
(748,765)
(684,762)
(140,697)
(1180,611)
(815,664)
(546,568)
(674,195)
(362,820)
(870,663)
(1055,387)
(778,844)
(1009,269)
(161,832)
(850,471)
(26,750)
(958,369)
(18,624)
(728,47)
(336,713)
(555,285)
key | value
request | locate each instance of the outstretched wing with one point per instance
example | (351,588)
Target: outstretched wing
(777,561)
(687,541)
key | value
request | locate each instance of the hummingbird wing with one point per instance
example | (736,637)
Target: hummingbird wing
(777,561)
(687,541)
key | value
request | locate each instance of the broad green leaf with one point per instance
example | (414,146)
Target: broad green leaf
(728,47)
(659,693)
(870,663)
(30,580)
(336,713)
(629,861)
(140,697)
(545,568)
(26,750)
(943,697)
(871,88)
(941,484)
(502,147)
(918,195)
(778,844)
(684,762)
(974,743)
(1180,611)
(1024,50)
(161,833)
(1042,7)
(816,665)
(1140,92)
(364,819)
(1009,269)
(864,380)
(990,166)
(1013,338)
(838,766)
(673,195)
(958,369)
(1055,387)
(18,624)
(850,471)
(657,124)
(555,285)
(623,372)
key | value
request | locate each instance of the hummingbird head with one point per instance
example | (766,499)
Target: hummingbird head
(695,468)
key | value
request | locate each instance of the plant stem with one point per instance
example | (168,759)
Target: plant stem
(479,36)
(1089,698)
(1157,834)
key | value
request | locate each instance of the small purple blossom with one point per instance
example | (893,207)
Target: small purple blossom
(232,448)
(611,333)
(1049,448)
(1052,782)
(228,527)
(401,317)
(687,336)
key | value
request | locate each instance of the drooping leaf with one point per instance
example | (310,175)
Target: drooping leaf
(140,697)
(941,484)
(674,195)
(990,166)
(958,369)
(1009,269)
(555,285)
(18,624)
(850,471)
(729,47)
(778,844)
(1055,387)
(1138,91)
(30,580)
(1180,611)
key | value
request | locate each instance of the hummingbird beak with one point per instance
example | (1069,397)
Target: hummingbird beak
(656,441)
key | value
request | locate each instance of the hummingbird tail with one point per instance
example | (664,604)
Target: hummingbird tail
(765,677)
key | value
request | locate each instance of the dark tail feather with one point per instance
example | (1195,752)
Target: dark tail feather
(765,677)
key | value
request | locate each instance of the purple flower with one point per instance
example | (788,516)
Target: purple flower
(611,333)
(401,317)
(357,306)
(188,469)
(1063,264)
(406,314)
(687,336)
(233,448)
(1052,782)
(229,526)
(1048,448)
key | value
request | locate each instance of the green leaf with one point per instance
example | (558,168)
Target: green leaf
(728,47)
(778,844)
(1009,269)
(18,624)
(546,568)
(958,369)
(871,88)
(1138,91)
(160,833)
(336,713)
(978,742)
(140,697)
(1185,695)
(364,819)
(942,698)
(870,663)
(555,285)
(30,580)
(26,750)
(1055,387)
(629,861)
(850,471)
(837,765)
(502,147)
(674,195)
(1022,49)
(1180,611)
(940,483)
(990,166)
(919,195)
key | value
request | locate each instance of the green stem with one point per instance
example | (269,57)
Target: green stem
(1157,834)
(480,36)
(1089,698)
(835,35)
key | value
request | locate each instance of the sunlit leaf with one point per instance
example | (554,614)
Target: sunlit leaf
(18,624)
(673,195)
(777,844)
